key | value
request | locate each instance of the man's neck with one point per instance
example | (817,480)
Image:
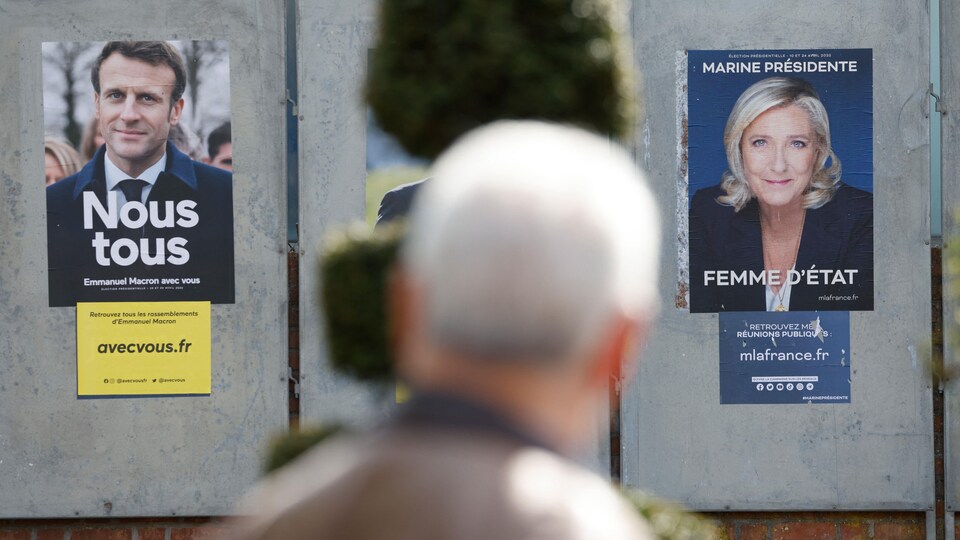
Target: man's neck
(133,170)
(447,410)
(113,174)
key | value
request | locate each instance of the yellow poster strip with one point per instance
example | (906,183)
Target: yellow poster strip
(143,348)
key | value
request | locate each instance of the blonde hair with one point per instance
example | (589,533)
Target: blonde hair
(68,158)
(762,96)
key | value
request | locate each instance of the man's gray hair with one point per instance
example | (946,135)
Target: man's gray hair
(530,239)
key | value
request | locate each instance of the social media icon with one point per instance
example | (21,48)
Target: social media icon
(779,386)
(809,386)
(770,386)
(789,386)
(760,387)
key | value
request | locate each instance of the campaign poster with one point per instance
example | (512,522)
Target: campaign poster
(779,180)
(795,357)
(138,171)
(143,349)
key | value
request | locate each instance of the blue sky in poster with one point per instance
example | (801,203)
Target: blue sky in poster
(769,358)
(847,96)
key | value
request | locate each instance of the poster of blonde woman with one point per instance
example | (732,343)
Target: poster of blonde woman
(780,180)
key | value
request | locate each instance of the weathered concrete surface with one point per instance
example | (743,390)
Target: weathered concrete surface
(950,167)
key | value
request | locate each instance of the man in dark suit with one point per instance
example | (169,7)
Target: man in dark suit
(396,203)
(220,148)
(141,221)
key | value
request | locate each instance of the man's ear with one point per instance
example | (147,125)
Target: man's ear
(636,337)
(96,105)
(176,111)
(617,355)
(399,318)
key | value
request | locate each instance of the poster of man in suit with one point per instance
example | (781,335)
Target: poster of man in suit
(143,219)
(779,180)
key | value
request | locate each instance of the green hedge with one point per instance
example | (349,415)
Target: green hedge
(440,69)
(354,274)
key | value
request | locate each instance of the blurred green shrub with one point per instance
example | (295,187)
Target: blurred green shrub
(440,69)
(287,447)
(354,275)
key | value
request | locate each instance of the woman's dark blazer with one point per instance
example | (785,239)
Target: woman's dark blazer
(836,236)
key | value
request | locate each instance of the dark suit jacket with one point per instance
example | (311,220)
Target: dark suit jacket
(72,256)
(836,236)
(396,203)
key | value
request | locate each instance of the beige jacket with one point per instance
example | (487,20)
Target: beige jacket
(418,483)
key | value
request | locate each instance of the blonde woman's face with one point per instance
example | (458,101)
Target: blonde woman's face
(54,171)
(779,151)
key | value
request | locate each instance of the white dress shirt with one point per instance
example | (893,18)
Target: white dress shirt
(114,176)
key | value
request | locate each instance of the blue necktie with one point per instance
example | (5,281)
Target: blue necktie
(132,189)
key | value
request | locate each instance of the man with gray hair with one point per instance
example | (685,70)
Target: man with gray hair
(528,276)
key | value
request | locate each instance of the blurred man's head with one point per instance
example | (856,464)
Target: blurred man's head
(532,259)
(220,148)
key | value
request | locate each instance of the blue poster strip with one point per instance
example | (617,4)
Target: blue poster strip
(788,357)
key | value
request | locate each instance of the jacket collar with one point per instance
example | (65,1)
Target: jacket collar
(179,165)
(819,241)
(442,410)
(822,238)
(746,241)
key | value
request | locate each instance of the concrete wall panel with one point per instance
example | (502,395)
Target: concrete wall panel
(874,453)
(64,457)
(950,169)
